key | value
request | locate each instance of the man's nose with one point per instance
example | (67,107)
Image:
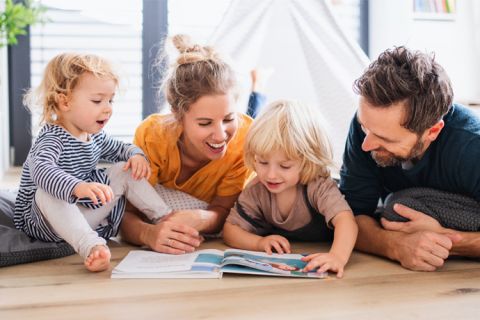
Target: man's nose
(369,143)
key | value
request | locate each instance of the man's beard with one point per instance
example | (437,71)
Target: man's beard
(391,160)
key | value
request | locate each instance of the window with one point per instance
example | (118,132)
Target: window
(110,28)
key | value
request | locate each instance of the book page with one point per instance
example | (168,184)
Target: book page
(139,261)
(278,264)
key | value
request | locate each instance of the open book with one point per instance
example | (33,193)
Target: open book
(210,263)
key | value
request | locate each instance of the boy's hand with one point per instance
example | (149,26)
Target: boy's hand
(94,191)
(324,262)
(279,243)
(140,167)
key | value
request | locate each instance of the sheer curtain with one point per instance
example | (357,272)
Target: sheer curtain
(313,59)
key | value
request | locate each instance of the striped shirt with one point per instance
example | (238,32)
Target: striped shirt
(56,163)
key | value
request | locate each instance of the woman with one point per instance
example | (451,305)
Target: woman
(197,149)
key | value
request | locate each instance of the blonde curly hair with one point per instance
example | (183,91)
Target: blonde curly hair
(293,128)
(60,78)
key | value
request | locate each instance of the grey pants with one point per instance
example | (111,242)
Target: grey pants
(76,224)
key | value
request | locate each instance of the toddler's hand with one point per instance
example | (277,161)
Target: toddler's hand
(195,218)
(94,191)
(279,243)
(140,167)
(324,262)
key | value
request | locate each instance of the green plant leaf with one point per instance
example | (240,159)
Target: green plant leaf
(16,18)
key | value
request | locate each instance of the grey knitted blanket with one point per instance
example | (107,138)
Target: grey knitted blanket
(454,211)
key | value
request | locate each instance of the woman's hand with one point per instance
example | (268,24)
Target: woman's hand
(171,237)
(140,167)
(279,243)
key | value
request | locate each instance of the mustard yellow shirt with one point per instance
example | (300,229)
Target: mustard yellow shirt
(221,177)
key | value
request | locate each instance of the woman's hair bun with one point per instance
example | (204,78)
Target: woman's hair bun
(191,52)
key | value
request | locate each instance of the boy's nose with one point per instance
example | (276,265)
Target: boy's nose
(271,173)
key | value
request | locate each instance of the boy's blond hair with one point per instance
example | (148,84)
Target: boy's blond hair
(293,128)
(61,76)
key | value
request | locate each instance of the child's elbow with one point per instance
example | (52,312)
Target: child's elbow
(227,233)
(352,221)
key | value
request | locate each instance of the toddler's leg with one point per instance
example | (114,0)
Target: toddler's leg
(139,192)
(69,223)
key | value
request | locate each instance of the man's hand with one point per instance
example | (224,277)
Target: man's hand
(418,221)
(423,250)
(420,250)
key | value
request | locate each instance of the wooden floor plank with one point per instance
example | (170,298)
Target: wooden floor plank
(373,288)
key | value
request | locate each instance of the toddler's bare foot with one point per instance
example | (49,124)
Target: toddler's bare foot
(259,78)
(98,259)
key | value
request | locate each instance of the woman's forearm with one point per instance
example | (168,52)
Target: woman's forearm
(215,221)
(219,209)
(133,228)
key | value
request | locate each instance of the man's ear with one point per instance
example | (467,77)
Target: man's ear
(435,130)
(62,102)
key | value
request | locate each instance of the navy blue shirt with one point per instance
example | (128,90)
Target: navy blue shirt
(451,163)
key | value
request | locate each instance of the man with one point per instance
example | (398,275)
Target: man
(407,133)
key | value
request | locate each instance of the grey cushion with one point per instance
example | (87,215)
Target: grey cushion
(16,247)
(451,210)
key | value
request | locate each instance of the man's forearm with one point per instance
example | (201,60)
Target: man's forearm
(467,246)
(372,238)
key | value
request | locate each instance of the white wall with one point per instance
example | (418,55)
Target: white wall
(453,41)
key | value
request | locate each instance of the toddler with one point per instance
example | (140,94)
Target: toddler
(62,194)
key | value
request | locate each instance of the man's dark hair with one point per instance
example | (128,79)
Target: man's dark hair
(413,77)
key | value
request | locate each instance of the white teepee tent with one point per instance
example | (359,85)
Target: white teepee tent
(313,60)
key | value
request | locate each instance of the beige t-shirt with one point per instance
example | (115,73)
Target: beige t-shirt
(261,206)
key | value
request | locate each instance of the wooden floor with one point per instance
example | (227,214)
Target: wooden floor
(372,288)
(11,178)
